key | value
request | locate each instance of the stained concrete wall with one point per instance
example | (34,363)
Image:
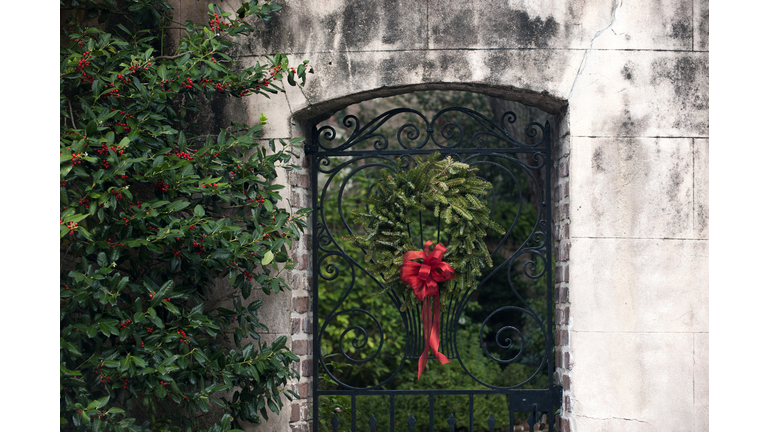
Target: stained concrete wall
(629,83)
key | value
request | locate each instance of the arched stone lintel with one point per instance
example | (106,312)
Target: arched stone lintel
(320,111)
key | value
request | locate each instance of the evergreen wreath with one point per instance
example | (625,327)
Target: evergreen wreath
(454,193)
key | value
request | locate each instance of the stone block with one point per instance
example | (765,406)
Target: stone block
(275,423)
(275,311)
(299,179)
(633,382)
(563,131)
(701,188)
(277,111)
(184,10)
(645,93)
(649,24)
(300,198)
(301,304)
(516,23)
(701,380)
(701,25)
(562,146)
(304,390)
(638,285)
(346,78)
(638,187)
(306,368)
(299,281)
(339,25)
(562,295)
(301,347)
(282,179)
(302,261)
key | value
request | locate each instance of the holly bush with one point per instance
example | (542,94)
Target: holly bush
(155,210)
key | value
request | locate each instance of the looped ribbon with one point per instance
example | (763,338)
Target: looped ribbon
(423,278)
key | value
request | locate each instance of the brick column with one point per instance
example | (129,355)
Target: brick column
(301,311)
(561,226)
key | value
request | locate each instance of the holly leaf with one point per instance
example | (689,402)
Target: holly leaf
(268,257)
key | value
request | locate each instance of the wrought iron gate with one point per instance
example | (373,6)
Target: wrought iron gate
(365,347)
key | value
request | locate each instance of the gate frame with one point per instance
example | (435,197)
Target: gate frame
(519,399)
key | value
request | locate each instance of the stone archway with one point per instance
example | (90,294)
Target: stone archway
(301,318)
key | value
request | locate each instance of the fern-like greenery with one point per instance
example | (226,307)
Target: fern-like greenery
(453,193)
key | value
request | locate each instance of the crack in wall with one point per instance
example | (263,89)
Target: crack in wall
(589,50)
(614,418)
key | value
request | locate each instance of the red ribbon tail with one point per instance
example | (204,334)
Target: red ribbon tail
(426,324)
(435,337)
(431,325)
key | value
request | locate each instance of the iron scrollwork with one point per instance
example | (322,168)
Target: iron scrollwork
(349,324)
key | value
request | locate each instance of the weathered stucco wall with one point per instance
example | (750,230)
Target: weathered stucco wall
(629,82)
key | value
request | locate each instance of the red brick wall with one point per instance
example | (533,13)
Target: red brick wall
(301,313)
(561,229)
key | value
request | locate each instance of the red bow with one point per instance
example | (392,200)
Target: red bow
(423,278)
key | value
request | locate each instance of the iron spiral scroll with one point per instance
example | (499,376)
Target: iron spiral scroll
(350,303)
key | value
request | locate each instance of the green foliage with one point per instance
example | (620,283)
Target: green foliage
(364,295)
(334,405)
(449,376)
(452,188)
(446,377)
(153,211)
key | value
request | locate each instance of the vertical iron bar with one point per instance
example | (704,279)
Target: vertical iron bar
(335,423)
(406,325)
(354,413)
(456,314)
(548,263)
(471,413)
(392,413)
(533,418)
(511,413)
(372,423)
(551,419)
(420,329)
(315,292)
(431,412)
(444,331)
(410,332)
(412,343)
